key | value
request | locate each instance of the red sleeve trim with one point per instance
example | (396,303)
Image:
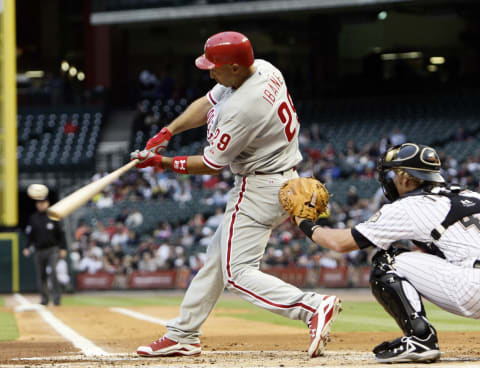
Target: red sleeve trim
(211,99)
(211,164)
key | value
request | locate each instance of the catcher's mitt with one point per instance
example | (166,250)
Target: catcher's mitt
(304,197)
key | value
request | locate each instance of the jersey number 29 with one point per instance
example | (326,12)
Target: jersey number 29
(286,116)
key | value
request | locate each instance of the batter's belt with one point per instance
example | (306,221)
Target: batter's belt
(280,172)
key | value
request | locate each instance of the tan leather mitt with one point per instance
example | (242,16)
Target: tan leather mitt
(304,197)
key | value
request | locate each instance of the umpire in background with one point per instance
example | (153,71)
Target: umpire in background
(47,242)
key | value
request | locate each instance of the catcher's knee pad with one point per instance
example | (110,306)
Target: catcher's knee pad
(400,300)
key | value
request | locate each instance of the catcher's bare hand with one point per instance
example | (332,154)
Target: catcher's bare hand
(303,198)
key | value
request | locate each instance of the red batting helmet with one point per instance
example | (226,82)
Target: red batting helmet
(226,48)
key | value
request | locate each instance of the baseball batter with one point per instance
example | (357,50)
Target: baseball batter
(252,127)
(444,221)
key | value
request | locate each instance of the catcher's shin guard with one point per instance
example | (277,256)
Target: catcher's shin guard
(399,298)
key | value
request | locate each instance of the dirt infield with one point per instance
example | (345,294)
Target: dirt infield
(226,342)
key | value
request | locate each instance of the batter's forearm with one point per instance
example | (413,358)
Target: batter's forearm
(193,117)
(194,165)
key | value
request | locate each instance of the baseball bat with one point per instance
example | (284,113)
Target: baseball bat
(70,203)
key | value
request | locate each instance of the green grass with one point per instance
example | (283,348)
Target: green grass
(8,326)
(117,301)
(356,316)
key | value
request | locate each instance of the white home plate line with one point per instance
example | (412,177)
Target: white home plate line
(138,315)
(86,346)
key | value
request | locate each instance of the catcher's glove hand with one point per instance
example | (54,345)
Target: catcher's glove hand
(306,198)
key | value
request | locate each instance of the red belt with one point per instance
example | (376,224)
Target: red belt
(280,172)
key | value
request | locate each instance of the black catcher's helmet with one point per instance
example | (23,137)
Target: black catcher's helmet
(421,162)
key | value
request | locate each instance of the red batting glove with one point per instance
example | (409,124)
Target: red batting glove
(146,158)
(159,142)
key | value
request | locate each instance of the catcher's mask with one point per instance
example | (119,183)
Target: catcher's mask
(421,162)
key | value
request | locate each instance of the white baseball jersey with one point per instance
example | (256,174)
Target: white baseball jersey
(255,127)
(450,282)
(413,218)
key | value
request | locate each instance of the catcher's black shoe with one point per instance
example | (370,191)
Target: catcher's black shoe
(408,349)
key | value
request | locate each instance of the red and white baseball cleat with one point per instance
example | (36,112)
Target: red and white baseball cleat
(320,324)
(166,347)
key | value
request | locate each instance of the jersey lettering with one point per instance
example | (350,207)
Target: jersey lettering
(469,221)
(269,97)
(286,116)
(210,118)
(270,94)
(223,142)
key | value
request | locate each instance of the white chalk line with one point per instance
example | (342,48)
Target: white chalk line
(138,315)
(86,346)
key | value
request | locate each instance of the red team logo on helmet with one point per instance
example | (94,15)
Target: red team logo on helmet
(226,48)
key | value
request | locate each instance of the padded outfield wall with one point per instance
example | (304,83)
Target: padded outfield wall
(8,117)
(17,273)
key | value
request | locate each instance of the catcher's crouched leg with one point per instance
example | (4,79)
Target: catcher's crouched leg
(399,298)
(403,303)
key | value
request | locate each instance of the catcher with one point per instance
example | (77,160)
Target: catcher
(443,221)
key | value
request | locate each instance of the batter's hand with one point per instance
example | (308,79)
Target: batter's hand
(159,142)
(146,158)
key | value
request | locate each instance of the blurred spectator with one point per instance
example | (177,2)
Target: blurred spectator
(397,137)
(111,227)
(352,196)
(100,235)
(121,235)
(134,219)
(147,263)
(82,229)
(127,265)
(182,195)
(207,235)
(70,127)
(460,134)
(104,199)
(63,276)
(216,219)
(148,82)
(91,263)
(180,260)
(133,239)
(163,232)
(122,216)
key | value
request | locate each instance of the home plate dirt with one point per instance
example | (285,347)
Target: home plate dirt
(226,342)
